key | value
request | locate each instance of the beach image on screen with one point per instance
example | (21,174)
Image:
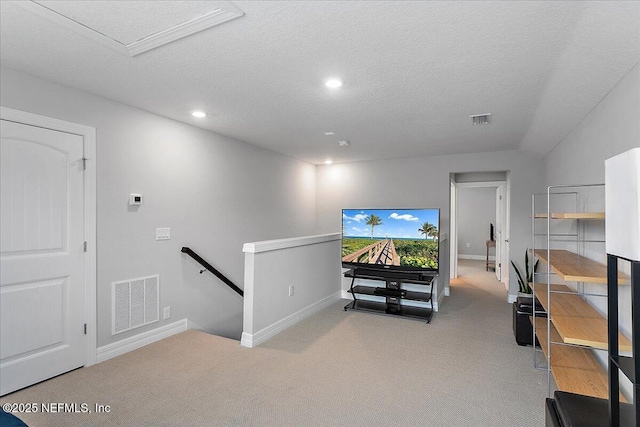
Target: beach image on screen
(393,237)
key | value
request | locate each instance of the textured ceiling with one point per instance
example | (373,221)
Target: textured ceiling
(413,71)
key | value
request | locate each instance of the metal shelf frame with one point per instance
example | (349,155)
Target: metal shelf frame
(629,366)
(573,193)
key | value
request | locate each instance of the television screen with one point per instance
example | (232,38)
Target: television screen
(399,239)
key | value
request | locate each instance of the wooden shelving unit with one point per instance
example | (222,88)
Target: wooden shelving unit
(572,215)
(575,316)
(576,329)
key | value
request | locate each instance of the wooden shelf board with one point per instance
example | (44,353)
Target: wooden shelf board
(574,369)
(572,215)
(542,287)
(576,268)
(577,322)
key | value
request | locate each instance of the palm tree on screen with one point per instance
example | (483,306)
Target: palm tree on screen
(374,220)
(429,230)
(434,233)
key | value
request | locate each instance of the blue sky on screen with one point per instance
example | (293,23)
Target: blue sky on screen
(398,223)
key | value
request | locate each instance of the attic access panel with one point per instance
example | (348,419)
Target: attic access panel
(134,27)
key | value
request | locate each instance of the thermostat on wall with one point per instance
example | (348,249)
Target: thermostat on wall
(135,199)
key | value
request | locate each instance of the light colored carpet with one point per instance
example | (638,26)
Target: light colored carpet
(335,368)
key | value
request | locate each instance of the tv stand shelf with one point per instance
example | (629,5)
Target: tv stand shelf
(393,293)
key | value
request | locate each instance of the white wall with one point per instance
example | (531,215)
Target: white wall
(310,264)
(214,192)
(611,128)
(476,210)
(424,182)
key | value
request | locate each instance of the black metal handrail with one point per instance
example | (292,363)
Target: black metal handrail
(209,267)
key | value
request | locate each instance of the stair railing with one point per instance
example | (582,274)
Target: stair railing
(209,267)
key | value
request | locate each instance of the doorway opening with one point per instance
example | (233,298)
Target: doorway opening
(479,224)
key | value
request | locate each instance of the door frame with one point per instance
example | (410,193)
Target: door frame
(88,135)
(506,220)
(453,233)
(501,242)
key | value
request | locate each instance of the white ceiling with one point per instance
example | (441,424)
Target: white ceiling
(413,71)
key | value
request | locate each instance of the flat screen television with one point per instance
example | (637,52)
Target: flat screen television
(391,239)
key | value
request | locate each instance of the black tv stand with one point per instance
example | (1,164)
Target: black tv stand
(393,292)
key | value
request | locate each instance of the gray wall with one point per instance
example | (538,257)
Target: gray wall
(313,268)
(611,128)
(480,176)
(424,182)
(214,192)
(476,210)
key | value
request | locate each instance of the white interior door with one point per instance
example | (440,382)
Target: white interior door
(41,259)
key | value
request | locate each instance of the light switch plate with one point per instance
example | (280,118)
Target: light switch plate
(163,233)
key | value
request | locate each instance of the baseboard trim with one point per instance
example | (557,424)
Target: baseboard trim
(477,257)
(512,298)
(253,340)
(193,325)
(132,343)
(447,291)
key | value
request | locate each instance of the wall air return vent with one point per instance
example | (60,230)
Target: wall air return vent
(481,119)
(134,303)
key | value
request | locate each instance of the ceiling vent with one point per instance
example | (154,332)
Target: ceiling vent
(481,119)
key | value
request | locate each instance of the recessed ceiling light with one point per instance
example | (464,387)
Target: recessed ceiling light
(333,83)
(328,162)
(343,143)
(199,114)
(329,133)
